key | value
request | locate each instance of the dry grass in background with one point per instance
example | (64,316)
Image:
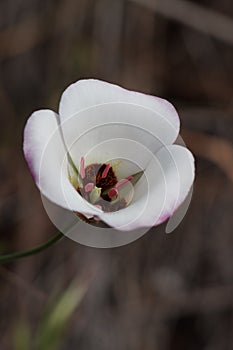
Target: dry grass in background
(164,292)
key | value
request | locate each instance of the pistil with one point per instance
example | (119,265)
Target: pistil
(101,187)
(95,195)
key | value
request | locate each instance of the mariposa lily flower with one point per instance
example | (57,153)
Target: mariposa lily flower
(109,156)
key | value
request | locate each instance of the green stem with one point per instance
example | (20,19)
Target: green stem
(9,257)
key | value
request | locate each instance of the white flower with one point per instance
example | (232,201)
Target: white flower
(109,155)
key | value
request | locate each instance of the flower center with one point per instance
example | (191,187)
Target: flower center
(98,184)
(101,187)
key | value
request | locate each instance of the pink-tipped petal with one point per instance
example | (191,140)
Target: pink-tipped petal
(47,158)
(159,193)
(98,107)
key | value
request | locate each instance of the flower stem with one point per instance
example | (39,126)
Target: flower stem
(10,257)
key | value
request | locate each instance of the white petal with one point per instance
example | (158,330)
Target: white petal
(85,133)
(92,103)
(46,157)
(159,192)
(84,233)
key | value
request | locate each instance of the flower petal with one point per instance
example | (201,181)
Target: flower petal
(85,133)
(105,103)
(160,191)
(46,156)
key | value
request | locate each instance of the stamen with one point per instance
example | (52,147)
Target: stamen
(123,182)
(89,187)
(82,168)
(129,178)
(105,172)
(113,193)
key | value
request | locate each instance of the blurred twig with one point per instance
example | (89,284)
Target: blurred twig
(198,17)
(20,38)
(213,148)
(50,333)
(106,53)
(201,48)
(201,300)
(35,30)
(22,284)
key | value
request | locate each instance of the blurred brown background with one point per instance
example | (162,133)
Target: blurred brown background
(164,292)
